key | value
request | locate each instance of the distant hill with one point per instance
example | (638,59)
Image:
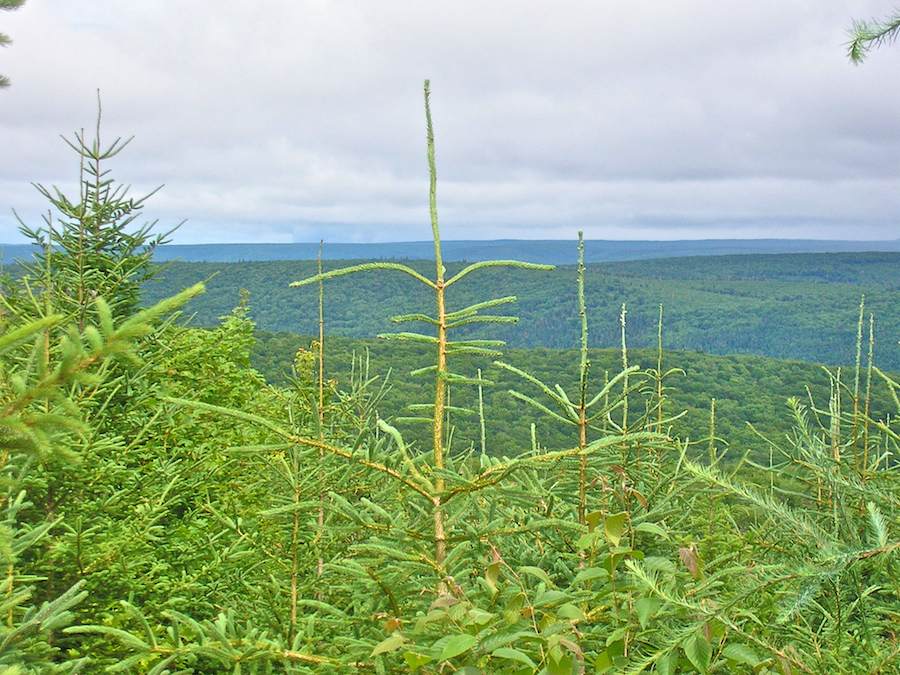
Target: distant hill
(553,252)
(787,306)
(749,390)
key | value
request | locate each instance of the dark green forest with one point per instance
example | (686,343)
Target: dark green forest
(751,393)
(802,307)
(380,507)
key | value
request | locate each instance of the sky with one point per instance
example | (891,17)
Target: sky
(300,120)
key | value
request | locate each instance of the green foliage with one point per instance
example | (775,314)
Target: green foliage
(800,307)
(867,35)
(93,249)
(750,392)
(164,510)
(51,371)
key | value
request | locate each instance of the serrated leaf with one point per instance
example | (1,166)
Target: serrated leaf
(538,573)
(561,667)
(571,612)
(611,562)
(513,655)
(665,664)
(741,654)
(698,651)
(602,663)
(690,559)
(652,528)
(491,574)
(646,608)
(422,621)
(587,541)
(416,661)
(614,526)
(479,617)
(456,646)
(513,609)
(590,573)
(390,644)
(445,600)
(550,598)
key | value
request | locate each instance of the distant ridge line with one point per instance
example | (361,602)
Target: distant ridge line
(556,252)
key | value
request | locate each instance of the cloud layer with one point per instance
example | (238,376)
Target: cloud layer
(303,120)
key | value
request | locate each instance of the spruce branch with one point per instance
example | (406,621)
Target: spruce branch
(868,35)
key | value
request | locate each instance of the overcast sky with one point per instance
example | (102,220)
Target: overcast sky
(295,120)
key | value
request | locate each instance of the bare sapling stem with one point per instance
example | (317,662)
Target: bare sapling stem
(481,414)
(835,414)
(584,367)
(856,380)
(320,519)
(294,479)
(713,458)
(624,370)
(868,395)
(440,394)
(659,372)
(10,586)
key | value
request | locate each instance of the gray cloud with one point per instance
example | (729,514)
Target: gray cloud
(300,120)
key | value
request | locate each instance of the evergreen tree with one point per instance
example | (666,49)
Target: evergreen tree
(4,39)
(92,247)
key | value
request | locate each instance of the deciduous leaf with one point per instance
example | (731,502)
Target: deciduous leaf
(570,611)
(390,644)
(538,573)
(587,540)
(457,645)
(741,654)
(646,608)
(491,574)
(445,600)
(563,666)
(691,560)
(590,574)
(614,526)
(514,655)
(513,609)
(550,598)
(603,663)
(652,528)
(698,651)
(416,661)
(666,664)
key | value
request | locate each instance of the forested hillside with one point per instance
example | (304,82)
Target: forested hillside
(803,307)
(751,393)
(557,252)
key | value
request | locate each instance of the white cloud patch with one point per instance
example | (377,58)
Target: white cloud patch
(303,119)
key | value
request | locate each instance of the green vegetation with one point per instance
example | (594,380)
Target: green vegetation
(800,307)
(749,390)
(867,35)
(167,512)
